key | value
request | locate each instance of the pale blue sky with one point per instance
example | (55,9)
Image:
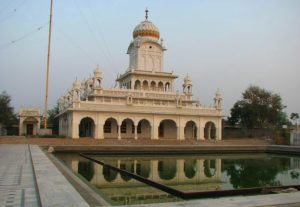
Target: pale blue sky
(221,44)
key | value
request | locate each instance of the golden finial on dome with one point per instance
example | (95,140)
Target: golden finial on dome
(146,11)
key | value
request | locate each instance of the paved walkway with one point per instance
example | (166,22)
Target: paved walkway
(29,178)
(17,183)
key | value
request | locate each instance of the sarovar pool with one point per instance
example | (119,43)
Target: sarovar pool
(187,173)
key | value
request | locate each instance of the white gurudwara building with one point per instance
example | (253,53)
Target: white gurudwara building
(144,105)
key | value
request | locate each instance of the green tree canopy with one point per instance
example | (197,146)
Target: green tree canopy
(7,116)
(258,108)
(295,117)
(53,120)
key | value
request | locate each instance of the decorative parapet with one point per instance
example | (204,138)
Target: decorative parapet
(29,112)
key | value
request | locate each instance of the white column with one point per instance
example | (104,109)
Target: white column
(119,131)
(155,131)
(75,130)
(135,132)
(181,133)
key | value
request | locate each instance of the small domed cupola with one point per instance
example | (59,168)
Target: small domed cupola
(76,84)
(97,72)
(97,79)
(187,84)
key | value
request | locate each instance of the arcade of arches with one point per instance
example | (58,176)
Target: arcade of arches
(144,128)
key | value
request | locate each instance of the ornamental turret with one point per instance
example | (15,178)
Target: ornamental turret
(218,100)
(76,90)
(97,79)
(187,85)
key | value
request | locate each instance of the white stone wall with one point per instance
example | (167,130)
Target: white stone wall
(295,138)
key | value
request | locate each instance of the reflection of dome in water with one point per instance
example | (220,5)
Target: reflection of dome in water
(146,29)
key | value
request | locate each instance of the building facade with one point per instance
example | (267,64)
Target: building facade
(29,123)
(144,104)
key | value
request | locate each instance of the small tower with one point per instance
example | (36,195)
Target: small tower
(218,100)
(97,79)
(187,85)
(76,90)
(89,86)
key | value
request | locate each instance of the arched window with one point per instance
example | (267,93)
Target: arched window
(137,85)
(160,86)
(153,86)
(167,87)
(145,85)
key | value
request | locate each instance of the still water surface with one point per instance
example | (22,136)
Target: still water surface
(186,173)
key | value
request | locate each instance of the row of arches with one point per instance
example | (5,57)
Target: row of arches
(153,85)
(167,129)
(166,169)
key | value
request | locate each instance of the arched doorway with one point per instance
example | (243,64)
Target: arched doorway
(110,128)
(167,129)
(30,124)
(127,129)
(144,129)
(190,130)
(86,127)
(210,130)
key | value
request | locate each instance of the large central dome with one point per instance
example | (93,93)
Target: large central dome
(146,29)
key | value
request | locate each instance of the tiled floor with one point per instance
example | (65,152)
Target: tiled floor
(17,187)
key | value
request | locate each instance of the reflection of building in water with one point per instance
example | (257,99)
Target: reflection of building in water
(184,175)
(144,104)
(295,162)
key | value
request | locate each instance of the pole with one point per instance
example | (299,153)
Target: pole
(48,66)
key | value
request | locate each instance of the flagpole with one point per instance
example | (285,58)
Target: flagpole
(48,66)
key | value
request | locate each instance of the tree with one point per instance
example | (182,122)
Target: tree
(53,120)
(294,117)
(259,108)
(7,116)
